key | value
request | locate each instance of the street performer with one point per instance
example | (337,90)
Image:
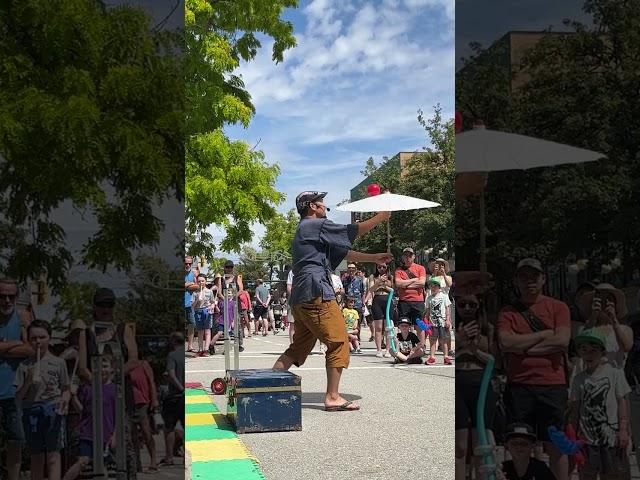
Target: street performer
(318,248)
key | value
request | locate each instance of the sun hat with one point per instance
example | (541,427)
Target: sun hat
(585,301)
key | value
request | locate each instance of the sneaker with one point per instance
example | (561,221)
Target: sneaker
(379,355)
(430,361)
(358,351)
(447,361)
(386,354)
(241,348)
(371,339)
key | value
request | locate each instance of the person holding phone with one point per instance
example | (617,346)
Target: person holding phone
(606,309)
(474,342)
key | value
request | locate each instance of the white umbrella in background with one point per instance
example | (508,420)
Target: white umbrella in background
(386,202)
(480,151)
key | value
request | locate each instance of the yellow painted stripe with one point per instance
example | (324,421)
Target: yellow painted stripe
(199,419)
(197,399)
(212,450)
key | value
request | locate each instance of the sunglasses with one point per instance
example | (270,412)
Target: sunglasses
(188,263)
(468,305)
(10,297)
(104,304)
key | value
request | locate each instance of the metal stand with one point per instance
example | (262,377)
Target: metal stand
(99,468)
(230,293)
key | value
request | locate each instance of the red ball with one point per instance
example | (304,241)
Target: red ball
(373,189)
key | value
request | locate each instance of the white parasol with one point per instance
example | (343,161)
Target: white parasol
(480,151)
(387,202)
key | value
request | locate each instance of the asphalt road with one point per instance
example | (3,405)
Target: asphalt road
(405,428)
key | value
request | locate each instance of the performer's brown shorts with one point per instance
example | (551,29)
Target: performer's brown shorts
(319,320)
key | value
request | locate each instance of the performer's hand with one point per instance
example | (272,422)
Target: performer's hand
(382,258)
(384,215)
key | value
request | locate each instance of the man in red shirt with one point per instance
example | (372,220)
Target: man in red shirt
(410,279)
(534,335)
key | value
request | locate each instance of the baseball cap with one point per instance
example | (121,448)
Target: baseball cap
(351,265)
(404,321)
(228,263)
(104,295)
(521,430)
(590,336)
(408,249)
(305,198)
(434,281)
(531,263)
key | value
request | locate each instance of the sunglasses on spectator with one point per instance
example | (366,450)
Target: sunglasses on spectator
(468,305)
(188,263)
(104,304)
(8,296)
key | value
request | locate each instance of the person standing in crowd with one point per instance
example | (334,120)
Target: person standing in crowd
(439,316)
(354,288)
(173,405)
(244,300)
(534,336)
(13,349)
(42,391)
(145,397)
(203,299)
(82,401)
(410,279)
(606,309)
(263,299)
(475,342)
(318,248)
(380,284)
(291,318)
(190,286)
(441,272)
(598,410)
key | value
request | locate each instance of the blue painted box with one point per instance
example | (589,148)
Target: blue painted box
(264,400)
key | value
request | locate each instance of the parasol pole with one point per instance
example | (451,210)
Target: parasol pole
(389,235)
(483,236)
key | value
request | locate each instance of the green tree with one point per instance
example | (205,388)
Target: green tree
(253,264)
(229,185)
(429,174)
(276,242)
(91,114)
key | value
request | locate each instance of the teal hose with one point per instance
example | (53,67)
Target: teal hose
(483,441)
(391,338)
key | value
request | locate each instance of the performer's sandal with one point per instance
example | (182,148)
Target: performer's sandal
(343,408)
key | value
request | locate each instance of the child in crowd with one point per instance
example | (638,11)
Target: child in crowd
(351,323)
(598,408)
(438,313)
(520,441)
(410,349)
(82,401)
(42,390)
(202,301)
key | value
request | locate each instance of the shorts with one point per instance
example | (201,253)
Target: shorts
(10,421)
(319,320)
(203,319)
(605,460)
(189,316)
(539,406)
(414,311)
(173,411)
(260,311)
(379,307)
(44,428)
(440,333)
(244,314)
(141,412)
(467,395)
(221,327)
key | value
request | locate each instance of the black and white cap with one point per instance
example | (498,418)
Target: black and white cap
(305,198)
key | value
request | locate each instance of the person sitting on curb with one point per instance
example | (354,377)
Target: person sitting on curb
(410,348)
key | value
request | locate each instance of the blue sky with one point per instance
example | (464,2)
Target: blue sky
(349,90)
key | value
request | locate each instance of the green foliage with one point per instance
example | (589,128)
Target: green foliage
(429,175)
(91,115)
(74,303)
(229,185)
(582,90)
(280,231)
(253,264)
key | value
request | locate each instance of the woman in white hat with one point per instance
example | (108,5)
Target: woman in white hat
(606,308)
